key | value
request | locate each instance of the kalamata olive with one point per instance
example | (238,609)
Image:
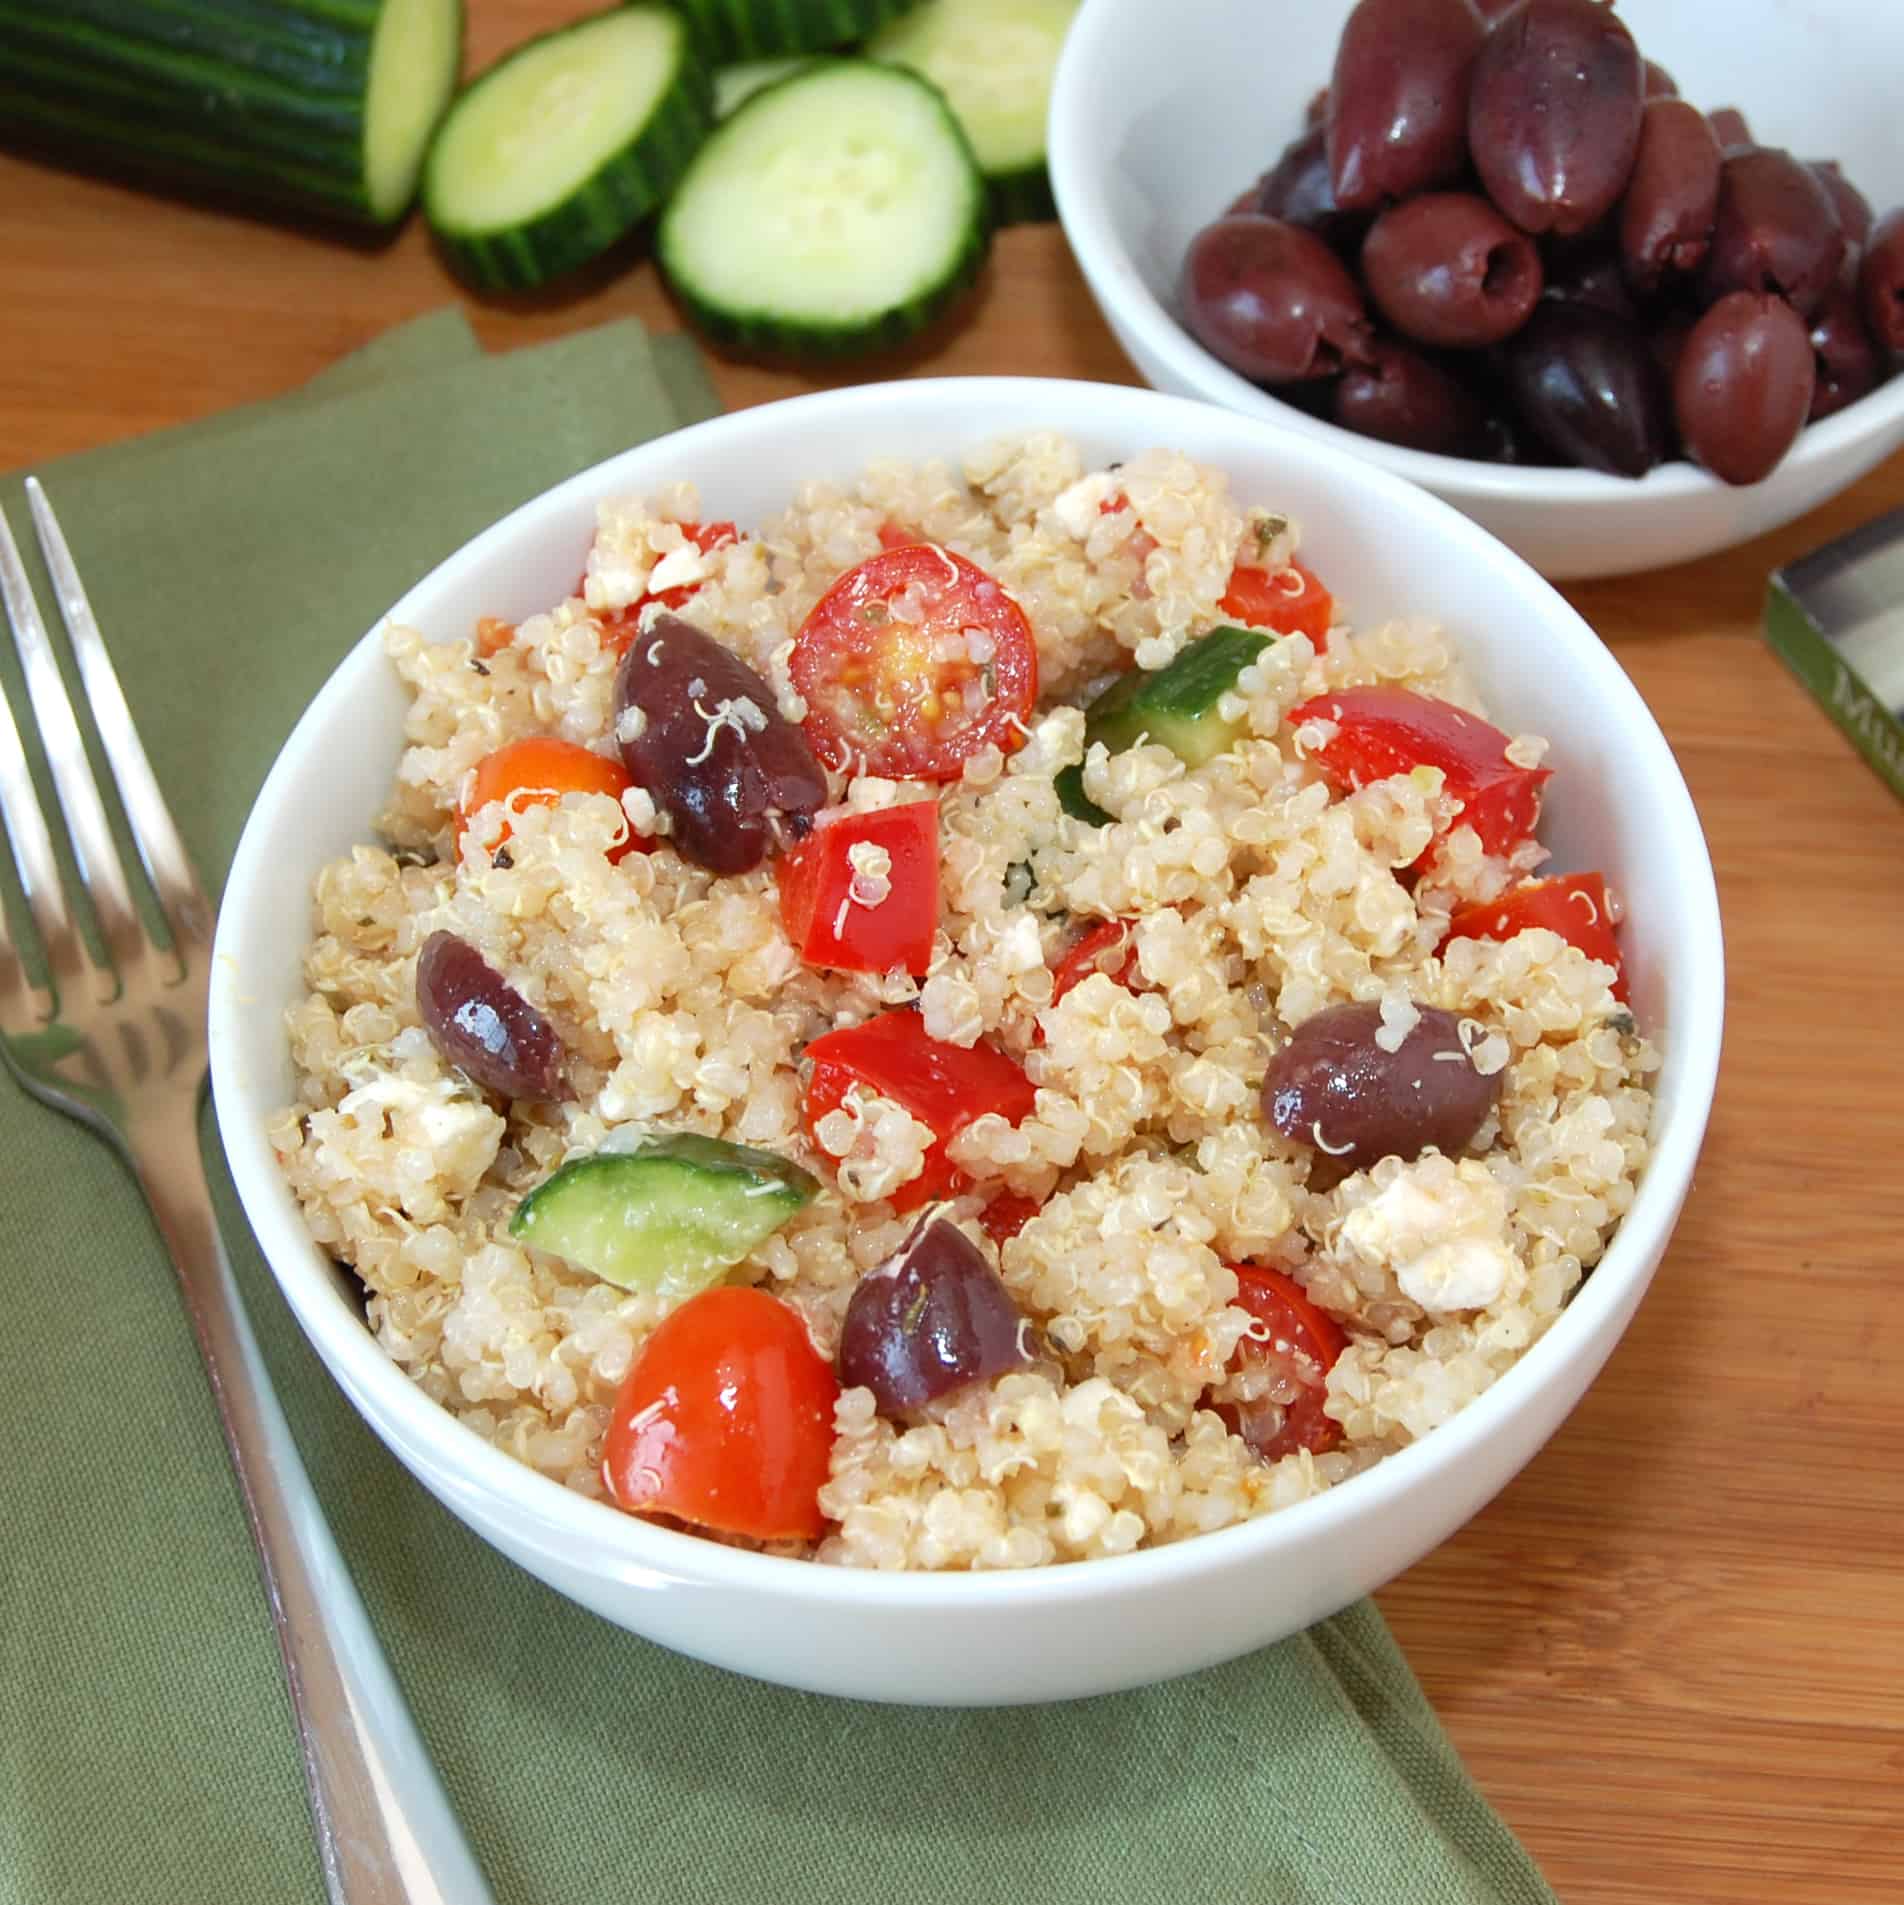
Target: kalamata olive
(1296,190)
(483,1025)
(1398,99)
(1672,196)
(929,1320)
(1656,82)
(1585,383)
(1848,363)
(1881,281)
(1273,302)
(1554,113)
(1335,1089)
(1854,209)
(1581,271)
(1776,229)
(1667,342)
(1729,128)
(1744,385)
(700,731)
(1403,397)
(1446,268)
(1491,10)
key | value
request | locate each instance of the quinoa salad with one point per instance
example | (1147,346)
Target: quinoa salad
(975,1023)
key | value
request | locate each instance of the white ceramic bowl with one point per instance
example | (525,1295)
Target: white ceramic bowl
(1618,803)
(1160,115)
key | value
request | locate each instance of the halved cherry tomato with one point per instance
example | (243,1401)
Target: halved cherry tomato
(536,772)
(493,635)
(1304,1340)
(910,698)
(893,536)
(619,625)
(726,1420)
(1574,905)
(823,895)
(1385,731)
(1006,1215)
(944,1086)
(1098,950)
(1290,600)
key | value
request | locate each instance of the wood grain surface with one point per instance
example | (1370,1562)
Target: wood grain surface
(1672,1651)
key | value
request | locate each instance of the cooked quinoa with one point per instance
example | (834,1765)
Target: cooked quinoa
(1261,894)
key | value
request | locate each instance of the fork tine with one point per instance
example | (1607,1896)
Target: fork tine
(86,825)
(167,864)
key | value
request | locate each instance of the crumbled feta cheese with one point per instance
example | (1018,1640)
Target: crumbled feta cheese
(1020,948)
(1079,506)
(442,1109)
(1400,1016)
(631,724)
(1441,1227)
(678,569)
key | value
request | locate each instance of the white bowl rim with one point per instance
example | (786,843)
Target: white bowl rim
(641,1553)
(1074,138)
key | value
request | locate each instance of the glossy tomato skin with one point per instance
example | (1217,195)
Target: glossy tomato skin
(1384,731)
(1097,950)
(907,699)
(537,771)
(1574,905)
(836,931)
(619,626)
(1301,1334)
(944,1086)
(1006,1215)
(726,1420)
(1290,600)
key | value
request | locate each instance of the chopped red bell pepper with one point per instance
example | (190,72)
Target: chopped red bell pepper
(1096,951)
(1385,731)
(1574,905)
(1289,600)
(867,917)
(944,1086)
(1301,1335)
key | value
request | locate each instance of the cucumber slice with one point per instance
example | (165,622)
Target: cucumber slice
(993,60)
(732,84)
(672,1217)
(837,211)
(1176,707)
(321,106)
(760,29)
(565,145)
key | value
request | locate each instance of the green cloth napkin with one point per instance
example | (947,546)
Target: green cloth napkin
(146,1752)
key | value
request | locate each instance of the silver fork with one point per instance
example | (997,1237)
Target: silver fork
(122,1048)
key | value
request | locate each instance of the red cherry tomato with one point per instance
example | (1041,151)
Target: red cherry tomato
(1574,905)
(1303,1339)
(726,1420)
(1006,1215)
(536,772)
(944,1086)
(619,625)
(892,536)
(1105,947)
(910,698)
(831,927)
(493,635)
(1385,731)
(1290,600)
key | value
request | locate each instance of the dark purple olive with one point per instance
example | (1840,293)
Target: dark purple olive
(1672,197)
(1744,385)
(1491,10)
(483,1025)
(1585,383)
(1398,100)
(1881,281)
(1334,1089)
(1296,190)
(1776,229)
(1583,271)
(1667,342)
(1447,269)
(1849,366)
(1273,302)
(1656,82)
(1554,113)
(1402,397)
(1729,128)
(929,1320)
(1854,209)
(701,732)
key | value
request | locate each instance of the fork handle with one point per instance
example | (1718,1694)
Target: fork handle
(385,1832)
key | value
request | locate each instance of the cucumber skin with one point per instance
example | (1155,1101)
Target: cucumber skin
(258,101)
(731,30)
(600,212)
(763,335)
(1022,198)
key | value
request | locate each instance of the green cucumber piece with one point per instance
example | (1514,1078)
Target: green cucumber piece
(993,60)
(1176,708)
(733,84)
(672,1217)
(728,30)
(839,210)
(565,145)
(316,106)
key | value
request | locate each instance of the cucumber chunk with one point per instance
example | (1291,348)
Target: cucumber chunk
(993,60)
(1176,708)
(837,211)
(562,147)
(760,29)
(672,1217)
